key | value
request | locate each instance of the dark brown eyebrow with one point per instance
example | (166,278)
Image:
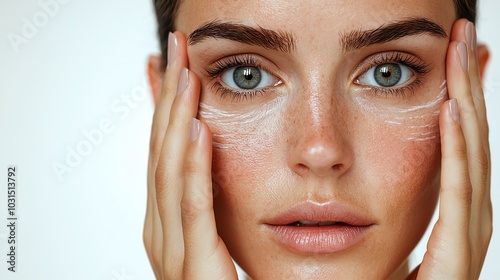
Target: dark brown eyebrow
(257,36)
(358,39)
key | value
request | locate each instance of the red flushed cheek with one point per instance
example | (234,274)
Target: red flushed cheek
(405,166)
(402,175)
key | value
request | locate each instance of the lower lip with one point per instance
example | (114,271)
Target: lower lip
(320,239)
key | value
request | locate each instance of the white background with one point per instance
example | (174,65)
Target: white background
(76,70)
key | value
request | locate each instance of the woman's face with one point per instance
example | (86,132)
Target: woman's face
(321,111)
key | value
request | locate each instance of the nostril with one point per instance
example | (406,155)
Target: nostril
(337,166)
(315,153)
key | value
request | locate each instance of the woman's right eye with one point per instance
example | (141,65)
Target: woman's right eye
(248,78)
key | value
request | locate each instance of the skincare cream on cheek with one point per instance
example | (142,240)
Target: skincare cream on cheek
(413,123)
(234,129)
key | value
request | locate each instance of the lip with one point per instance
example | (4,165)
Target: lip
(352,227)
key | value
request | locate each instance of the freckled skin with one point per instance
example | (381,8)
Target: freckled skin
(320,143)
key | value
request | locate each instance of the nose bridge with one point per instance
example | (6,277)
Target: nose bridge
(317,144)
(318,105)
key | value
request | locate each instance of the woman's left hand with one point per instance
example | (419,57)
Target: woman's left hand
(459,241)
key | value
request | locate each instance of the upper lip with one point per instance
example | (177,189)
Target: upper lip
(321,212)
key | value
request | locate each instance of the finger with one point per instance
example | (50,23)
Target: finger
(204,250)
(478,156)
(480,105)
(176,60)
(198,219)
(459,88)
(456,189)
(169,173)
(468,89)
(465,31)
(478,151)
(151,240)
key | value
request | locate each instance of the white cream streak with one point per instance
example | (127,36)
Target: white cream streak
(231,129)
(420,120)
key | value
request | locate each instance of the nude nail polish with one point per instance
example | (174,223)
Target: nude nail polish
(183,81)
(470,35)
(194,130)
(454,110)
(464,56)
(172,48)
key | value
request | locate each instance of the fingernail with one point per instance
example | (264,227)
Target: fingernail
(464,57)
(454,110)
(194,131)
(183,81)
(470,35)
(172,48)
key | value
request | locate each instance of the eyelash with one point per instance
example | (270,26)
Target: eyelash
(222,65)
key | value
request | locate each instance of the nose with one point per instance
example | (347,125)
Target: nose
(320,145)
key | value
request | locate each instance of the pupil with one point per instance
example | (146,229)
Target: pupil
(247,77)
(385,72)
(388,75)
(248,74)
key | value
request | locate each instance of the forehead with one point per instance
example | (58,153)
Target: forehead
(307,18)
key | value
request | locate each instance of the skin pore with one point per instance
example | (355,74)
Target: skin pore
(318,132)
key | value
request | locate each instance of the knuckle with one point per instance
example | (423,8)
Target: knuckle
(189,210)
(175,122)
(488,225)
(147,234)
(193,205)
(162,179)
(459,152)
(146,240)
(190,168)
(480,160)
(155,146)
(464,193)
(488,233)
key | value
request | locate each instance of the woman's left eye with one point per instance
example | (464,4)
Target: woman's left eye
(386,75)
(248,78)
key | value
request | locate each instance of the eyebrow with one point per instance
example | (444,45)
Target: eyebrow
(358,39)
(257,36)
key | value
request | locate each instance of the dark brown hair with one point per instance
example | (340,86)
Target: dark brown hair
(166,11)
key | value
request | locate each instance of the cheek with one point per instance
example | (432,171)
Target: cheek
(401,164)
(244,154)
(403,152)
(403,171)
(401,179)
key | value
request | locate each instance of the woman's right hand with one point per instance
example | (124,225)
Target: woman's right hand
(180,233)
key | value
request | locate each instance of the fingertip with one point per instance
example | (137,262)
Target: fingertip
(457,65)
(457,32)
(205,136)
(194,130)
(453,110)
(201,139)
(449,120)
(181,47)
(463,55)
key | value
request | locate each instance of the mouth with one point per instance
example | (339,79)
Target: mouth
(312,228)
(306,223)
